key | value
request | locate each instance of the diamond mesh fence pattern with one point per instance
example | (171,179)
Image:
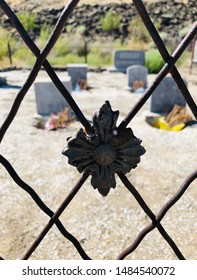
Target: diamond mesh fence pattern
(41,60)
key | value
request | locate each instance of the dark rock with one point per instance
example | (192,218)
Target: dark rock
(168,13)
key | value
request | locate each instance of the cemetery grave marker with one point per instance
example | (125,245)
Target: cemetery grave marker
(48,98)
(77,72)
(165,96)
(137,78)
(125,58)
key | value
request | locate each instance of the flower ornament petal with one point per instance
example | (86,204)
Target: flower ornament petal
(104,180)
(106,151)
(104,122)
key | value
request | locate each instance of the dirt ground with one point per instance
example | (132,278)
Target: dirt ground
(104,226)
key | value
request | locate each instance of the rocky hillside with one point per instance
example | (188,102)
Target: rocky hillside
(172,15)
(40,4)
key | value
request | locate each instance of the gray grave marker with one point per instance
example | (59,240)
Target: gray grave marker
(137,78)
(3,81)
(77,72)
(166,95)
(125,58)
(48,98)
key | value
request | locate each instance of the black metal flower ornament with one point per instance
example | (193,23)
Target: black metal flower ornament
(106,151)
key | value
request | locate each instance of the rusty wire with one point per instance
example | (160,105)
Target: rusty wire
(41,56)
(157,219)
(165,55)
(45,209)
(163,72)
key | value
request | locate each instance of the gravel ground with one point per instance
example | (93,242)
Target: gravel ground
(104,226)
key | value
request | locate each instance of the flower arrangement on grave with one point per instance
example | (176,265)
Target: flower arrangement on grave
(60,120)
(176,120)
(138,86)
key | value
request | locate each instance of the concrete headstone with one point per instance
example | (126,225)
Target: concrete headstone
(137,78)
(48,98)
(166,95)
(77,72)
(3,81)
(125,58)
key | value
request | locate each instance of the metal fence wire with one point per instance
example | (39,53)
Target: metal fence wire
(41,55)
